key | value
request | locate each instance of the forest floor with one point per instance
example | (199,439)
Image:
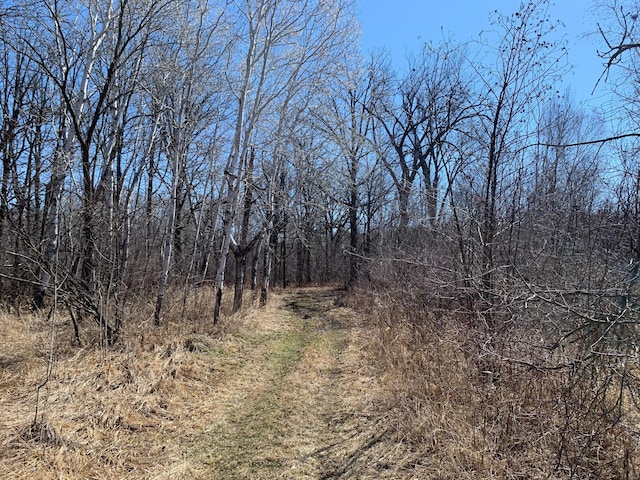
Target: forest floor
(287,393)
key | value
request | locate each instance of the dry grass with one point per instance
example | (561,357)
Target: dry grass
(280,392)
(465,409)
(118,413)
(286,392)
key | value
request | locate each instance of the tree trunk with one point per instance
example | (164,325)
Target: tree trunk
(52,229)
(170,234)
(267,266)
(254,264)
(242,250)
(489,221)
(241,268)
(353,224)
(232,178)
(403,201)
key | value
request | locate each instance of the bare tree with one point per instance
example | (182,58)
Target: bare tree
(285,48)
(183,89)
(84,61)
(513,77)
(398,123)
(245,245)
(24,137)
(433,104)
(347,122)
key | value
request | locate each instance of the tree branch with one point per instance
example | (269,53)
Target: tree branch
(589,142)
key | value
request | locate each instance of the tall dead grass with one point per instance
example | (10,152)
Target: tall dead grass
(123,412)
(478,405)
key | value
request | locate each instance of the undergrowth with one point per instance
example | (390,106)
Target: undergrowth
(459,400)
(120,412)
(474,403)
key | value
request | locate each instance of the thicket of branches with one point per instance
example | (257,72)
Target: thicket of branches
(144,144)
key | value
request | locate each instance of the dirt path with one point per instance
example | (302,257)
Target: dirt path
(297,405)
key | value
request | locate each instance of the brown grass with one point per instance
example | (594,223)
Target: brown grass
(116,413)
(285,392)
(279,393)
(468,410)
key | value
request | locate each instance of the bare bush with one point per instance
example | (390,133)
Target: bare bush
(500,404)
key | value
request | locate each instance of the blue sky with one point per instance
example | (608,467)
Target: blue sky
(402,26)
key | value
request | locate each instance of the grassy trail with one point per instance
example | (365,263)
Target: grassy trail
(284,393)
(298,415)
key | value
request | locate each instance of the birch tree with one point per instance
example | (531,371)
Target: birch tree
(184,94)
(83,50)
(284,47)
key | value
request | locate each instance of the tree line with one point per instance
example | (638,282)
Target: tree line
(152,144)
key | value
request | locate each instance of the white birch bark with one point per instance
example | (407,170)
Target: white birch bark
(63,158)
(233,169)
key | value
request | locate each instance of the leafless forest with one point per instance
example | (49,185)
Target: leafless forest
(485,222)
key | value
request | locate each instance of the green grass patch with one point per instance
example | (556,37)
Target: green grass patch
(287,351)
(250,443)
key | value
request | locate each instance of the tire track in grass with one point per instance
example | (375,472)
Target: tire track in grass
(292,405)
(248,440)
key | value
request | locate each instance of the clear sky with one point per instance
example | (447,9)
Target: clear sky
(401,26)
